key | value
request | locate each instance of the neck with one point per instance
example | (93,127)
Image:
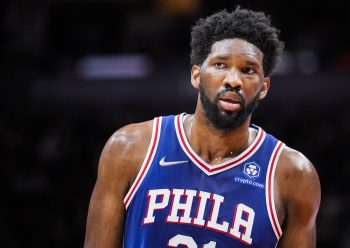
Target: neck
(213,145)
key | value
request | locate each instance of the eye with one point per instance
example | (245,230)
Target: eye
(247,70)
(220,65)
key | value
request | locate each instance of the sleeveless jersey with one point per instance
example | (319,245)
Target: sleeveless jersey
(179,200)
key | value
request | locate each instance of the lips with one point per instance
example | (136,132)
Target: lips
(230,101)
(230,96)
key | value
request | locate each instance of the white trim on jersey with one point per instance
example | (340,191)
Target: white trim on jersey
(152,148)
(269,190)
(217,168)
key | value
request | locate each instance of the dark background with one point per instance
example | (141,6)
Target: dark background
(59,103)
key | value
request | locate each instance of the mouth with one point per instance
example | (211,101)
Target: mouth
(230,101)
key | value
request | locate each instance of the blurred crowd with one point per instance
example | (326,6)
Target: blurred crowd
(54,124)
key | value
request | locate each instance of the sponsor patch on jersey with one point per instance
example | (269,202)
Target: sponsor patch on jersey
(249,182)
(251,172)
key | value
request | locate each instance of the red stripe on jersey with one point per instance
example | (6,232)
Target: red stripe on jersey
(247,153)
(270,188)
(146,165)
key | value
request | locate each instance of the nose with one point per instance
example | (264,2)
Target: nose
(233,79)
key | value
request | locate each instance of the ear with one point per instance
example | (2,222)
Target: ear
(195,76)
(265,88)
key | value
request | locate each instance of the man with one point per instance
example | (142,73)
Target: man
(210,179)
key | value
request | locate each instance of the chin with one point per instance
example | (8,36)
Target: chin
(228,113)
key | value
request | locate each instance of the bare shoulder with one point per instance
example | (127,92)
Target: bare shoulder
(130,139)
(295,167)
(119,162)
(298,185)
(124,152)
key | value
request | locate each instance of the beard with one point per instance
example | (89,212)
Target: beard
(223,119)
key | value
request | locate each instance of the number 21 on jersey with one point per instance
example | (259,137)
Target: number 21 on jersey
(188,241)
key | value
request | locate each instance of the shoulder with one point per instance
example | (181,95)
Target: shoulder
(298,183)
(124,152)
(295,166)
(126,139)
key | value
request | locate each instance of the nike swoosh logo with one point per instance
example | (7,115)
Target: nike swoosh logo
(162,162)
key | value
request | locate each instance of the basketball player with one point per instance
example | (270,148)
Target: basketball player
(209,179)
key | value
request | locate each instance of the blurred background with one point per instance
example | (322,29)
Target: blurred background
(74,71)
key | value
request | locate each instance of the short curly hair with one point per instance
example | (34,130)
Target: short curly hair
(254,27)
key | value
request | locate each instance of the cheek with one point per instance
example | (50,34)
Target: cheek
(205,77)
(207,86)
(252,90)
(211,80)
(207,92)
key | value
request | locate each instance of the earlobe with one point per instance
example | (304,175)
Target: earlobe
(265,88)
(195,76)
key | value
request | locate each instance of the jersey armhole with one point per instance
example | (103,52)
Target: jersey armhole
(146,164)
(270,202)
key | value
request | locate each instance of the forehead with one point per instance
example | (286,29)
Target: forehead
(229,47)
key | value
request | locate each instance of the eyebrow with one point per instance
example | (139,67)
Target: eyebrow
(251,63)
(227,56)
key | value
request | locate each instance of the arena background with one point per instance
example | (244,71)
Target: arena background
(73,72)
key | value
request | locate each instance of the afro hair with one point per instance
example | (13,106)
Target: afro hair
(253,27)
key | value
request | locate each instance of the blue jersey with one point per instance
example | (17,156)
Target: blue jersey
(179,200)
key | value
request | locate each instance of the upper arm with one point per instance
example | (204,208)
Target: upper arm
(118,166)
(299,188)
